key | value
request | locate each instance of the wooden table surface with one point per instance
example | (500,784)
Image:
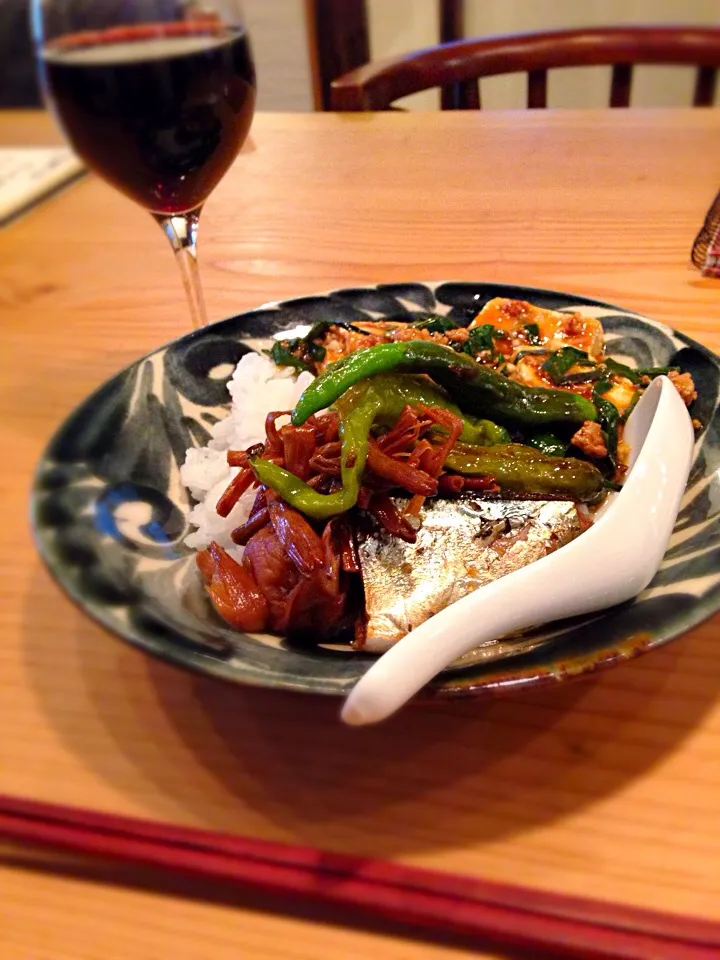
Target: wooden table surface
(608,787)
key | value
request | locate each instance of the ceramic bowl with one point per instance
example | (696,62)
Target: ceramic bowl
(109,512)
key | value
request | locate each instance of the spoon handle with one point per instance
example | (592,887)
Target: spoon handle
(612,562)
(491,612)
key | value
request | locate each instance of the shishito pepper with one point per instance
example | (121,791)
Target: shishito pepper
(476,388)
(483,450)
(399,391)
(357,415)
(548,443)
(517,468)
(378,399)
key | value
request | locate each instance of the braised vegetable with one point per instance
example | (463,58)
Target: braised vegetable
(399,391)
(635,374)
(283,354)
(378,399)
(517,468)
(561,361)
(630,407)
(558,363)
(357,414)
(532,331)
(475,388)
(232,589)
(479,339)
(608,417)
(303,353)
(513,467)
(435,324)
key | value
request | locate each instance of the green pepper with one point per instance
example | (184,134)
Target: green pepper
(521,469)
(475,388)
(548,443)
(378,399)
(357,414)
(398,391)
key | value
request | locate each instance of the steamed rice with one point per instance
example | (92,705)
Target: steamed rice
(257,386)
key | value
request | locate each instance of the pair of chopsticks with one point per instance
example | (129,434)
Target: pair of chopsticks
(445,904)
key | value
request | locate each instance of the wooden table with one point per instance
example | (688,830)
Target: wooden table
(608,787)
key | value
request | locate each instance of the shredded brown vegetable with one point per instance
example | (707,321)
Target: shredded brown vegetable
(296,573)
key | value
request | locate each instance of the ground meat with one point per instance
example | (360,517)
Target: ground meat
(684,385)
(458,336)
(590,440)
(408,332)
(338,341)
(515,309)
(574,325)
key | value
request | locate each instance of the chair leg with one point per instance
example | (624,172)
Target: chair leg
(705,83)
(537,89)
(621,85)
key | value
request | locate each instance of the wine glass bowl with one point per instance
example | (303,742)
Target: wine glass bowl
(156,96)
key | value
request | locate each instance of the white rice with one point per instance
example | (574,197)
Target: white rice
(257,387)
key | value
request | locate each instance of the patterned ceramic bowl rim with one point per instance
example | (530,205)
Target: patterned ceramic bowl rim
(108,511)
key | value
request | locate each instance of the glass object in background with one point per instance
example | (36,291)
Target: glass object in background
(157,96)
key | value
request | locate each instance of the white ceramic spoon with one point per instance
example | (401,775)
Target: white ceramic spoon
(611,562)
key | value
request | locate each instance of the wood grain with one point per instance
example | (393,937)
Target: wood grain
(606,788)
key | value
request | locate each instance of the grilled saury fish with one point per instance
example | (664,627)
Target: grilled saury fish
(462,544)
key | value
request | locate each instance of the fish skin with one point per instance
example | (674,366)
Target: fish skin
(462,544)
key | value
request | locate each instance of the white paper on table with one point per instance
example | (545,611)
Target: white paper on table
(29,173)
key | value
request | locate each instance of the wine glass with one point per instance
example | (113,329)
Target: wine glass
(157,96)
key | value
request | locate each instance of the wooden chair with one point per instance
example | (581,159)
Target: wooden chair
(338,37)
(456,68)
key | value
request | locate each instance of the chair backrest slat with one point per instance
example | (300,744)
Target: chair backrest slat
(705,84)
(461,96)
(621,85)
(448,97)
(337,43)
(470,95)
(452,20)
(537,89)
(453,66)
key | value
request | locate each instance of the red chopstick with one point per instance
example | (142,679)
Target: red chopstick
(516,917)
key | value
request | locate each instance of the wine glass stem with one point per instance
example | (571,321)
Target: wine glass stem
(181,230)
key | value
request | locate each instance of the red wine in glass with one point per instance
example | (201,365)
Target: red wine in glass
(160,110)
